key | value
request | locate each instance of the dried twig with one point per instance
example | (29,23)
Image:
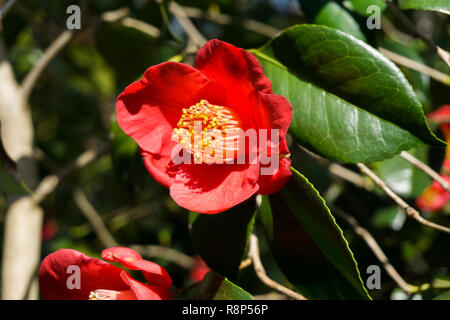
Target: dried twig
(50,182)
(376,249)
(444,55)
(94,218)
(414,65)
(422,166)
(32,76)
(225,19)
(6,7)
(246,263)
(190,29)
(168,254)
(410,211)
(253,254)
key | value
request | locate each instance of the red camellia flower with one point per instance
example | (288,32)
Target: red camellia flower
(227,92)
(435,197)
(71,275)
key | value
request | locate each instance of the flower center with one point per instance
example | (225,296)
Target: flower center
(209,132)
(102,294)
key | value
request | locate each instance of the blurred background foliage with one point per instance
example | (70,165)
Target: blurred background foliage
(73,110)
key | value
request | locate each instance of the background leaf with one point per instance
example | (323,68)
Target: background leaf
(217,287)
(335,16)
(221,239)
(443,296)
(308,245)
(401,176)
(429,5)
(361,6)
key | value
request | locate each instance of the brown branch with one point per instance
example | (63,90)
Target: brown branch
(168,254)
(376,249)
(414,65)
(444,55)
(94,218)
(6,7)
(225,19)
(253,254)
(50,182)
(410,211)
(422,166)
(190,29)
(23,220)
(32,76)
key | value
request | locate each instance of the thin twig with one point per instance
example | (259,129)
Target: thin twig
(422,166)
(410,211)
(376,249)
(64,38)
(6,7)
(444,55)
(190,29)
(166,253)
(50,182)
(246,263)
(94,218)
(414,65)
(54,48)
(144,27)
(225,19)
(253,254)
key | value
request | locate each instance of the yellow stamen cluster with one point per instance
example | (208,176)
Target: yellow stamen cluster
(97,295)
(202,129)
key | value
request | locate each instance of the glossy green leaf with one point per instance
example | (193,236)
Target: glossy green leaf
(354,71)
(308,245)
(429,5)
(401,176)
(332,127)
(221,239)
(335,16)
(361,6)
(217,287)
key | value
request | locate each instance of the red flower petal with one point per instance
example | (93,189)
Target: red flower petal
(160,167)
(249,91)
(129,258)
(94,274)
(149,109)
(143,291)
(269,184)
(441,115)
(435,197)
(214,188)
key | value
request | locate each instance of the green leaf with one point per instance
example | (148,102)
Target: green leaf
(354,71)
(332,127)
(308,245)
(334,16)
(443,296)
(360,6)
(216,287)
(402,177)
(429,5)
(221,239)
(392,217)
